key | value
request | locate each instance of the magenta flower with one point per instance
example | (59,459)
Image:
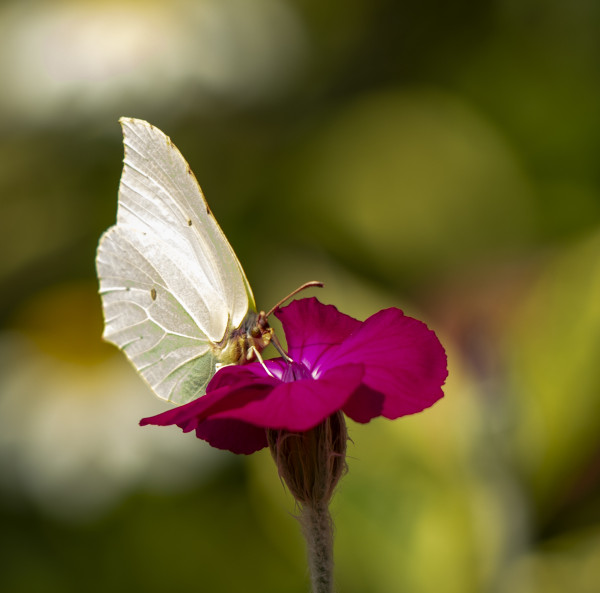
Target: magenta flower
(390,365)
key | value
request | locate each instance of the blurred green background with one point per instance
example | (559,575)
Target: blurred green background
(437,156)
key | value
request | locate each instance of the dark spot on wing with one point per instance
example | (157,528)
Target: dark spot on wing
(188,169)
(153,293)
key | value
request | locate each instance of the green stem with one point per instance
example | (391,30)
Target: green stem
(318,531)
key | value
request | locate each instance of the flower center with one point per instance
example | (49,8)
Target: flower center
(295,371)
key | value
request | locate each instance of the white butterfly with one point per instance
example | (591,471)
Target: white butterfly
(175,297)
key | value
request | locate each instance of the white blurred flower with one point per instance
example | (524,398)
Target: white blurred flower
(69,435)
(94,57)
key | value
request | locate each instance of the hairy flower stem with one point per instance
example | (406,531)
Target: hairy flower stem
(317,527)
(311,464)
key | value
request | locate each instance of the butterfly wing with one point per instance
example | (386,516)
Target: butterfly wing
(170,283)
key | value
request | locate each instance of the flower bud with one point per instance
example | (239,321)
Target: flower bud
(312,462)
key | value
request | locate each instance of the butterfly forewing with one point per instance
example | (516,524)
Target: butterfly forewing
(170,283)
(158,191)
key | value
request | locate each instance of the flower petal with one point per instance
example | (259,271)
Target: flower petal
(301,405)
(403,360)
(233,435)
(364,405)
(311,328)
(239,388)
(235,375)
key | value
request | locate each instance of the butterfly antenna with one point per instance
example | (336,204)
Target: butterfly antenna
(293,293)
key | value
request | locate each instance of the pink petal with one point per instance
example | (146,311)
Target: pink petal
(364,404)
(242,387)
(236,375)
(231,387)
(311,328)
(183,416)
(233,435)
(301,405)
(403,360)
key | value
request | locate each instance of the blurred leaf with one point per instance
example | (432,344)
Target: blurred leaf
(412,183)
(567,564)
(554,348)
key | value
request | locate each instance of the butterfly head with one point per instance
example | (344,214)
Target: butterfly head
(259,336)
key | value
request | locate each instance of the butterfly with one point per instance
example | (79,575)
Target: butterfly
(175,297)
